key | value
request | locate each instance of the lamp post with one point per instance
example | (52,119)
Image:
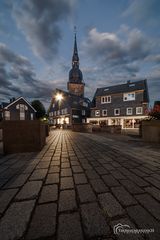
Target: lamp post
(59,98)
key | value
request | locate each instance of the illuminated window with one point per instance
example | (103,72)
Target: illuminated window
(129,96)
(97,113)
(22,115)
(7,115)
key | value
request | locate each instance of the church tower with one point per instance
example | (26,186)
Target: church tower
(75,83)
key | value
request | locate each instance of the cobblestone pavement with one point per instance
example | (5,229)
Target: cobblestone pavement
(79,187)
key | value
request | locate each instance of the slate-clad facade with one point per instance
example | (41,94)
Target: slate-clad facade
(124,104)
(17,109)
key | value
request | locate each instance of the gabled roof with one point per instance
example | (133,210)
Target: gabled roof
(123,88)
(16,100)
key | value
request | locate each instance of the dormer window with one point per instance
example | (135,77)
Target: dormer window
(106,99)
(129,96)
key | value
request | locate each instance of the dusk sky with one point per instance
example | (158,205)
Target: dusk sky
(118,40)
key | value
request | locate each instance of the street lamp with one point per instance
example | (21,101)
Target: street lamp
(59,98)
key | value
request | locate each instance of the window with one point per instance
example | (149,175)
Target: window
(21,107)
(31,116)
(129,96)
(129,111)
(97,113)
(104,112)
(106,99)
(22,115)
(117,111)
(83,112)
(50,114)
(139,110)
(7,115)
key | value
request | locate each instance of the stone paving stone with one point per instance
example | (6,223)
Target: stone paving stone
(85,193)
(54,169)
(43,223)
(144,221)
(131,186)
(99,186)
(55,163)
(108,166)
(65,165)
(150,204)
(153,181)
(101,170)
(75,163)
(145,170)
(91,174)
(67,201)
(117,174)
(5,198)
(116,165)
(110,205)
(29,168)
(42,164)
(77,169)
(124,197)
(157,176)
(93,221)
(66,172)
(52,178)
(18,181)
(80,178)
(69,227)
(138,180)
(138,172)
(66,183)
(14,223)
(87,166)
(49,193)
(39,174)
(154,192)
(30,190)
(110,180)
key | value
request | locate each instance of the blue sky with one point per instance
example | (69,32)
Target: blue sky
(117,41)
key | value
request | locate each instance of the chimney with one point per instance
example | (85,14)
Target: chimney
(128,82)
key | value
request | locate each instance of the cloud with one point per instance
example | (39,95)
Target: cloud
(146,11)
(39,21)
(111,49)
(17,76)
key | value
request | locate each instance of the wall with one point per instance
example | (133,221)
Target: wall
(151,131)
(23,136)
(85,127)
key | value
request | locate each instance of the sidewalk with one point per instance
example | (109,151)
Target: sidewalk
(79,187)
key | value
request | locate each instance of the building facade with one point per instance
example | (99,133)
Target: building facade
(70,107)
(124,104)
(17,109)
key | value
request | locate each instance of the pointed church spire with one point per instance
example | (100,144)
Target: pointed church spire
(75,58)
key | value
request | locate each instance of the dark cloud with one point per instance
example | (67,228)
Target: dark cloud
(39,21)
(17,77)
